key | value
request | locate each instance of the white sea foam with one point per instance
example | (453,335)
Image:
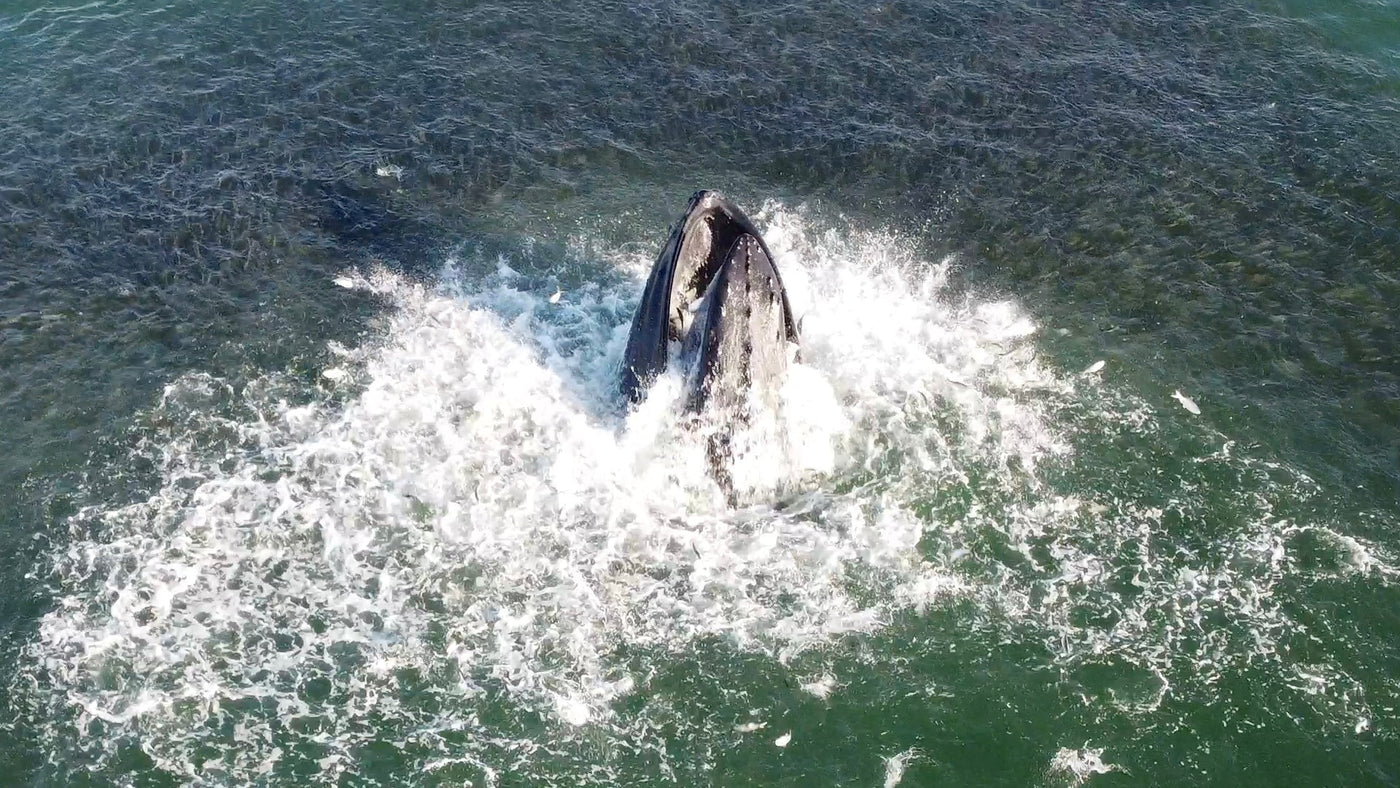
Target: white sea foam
(457,543)
(1076,766)
(822,686)
(897,764)
(474,525)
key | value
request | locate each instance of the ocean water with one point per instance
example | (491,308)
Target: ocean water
(314,471)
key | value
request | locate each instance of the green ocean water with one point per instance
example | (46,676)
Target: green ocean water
(314,472)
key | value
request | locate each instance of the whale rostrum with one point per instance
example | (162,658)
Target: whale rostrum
(715,290)
(715,302)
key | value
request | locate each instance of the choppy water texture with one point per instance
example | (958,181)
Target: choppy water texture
(314,471)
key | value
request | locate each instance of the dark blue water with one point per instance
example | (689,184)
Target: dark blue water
(306,480)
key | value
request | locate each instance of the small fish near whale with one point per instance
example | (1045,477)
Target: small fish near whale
(714,301)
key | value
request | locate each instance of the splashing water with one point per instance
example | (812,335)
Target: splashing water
(464,545)
(1075,767)
(896,764)
(459,547)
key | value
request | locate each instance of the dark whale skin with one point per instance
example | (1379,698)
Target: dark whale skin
(701,244)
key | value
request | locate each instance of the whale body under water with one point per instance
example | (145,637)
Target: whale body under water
(715,303)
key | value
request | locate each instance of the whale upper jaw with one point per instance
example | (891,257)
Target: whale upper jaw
(714,289)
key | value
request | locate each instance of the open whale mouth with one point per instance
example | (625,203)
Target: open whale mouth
(715,290)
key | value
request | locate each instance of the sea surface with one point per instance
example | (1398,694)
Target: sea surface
(313,469)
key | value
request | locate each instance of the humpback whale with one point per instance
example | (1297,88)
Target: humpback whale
(715,301)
